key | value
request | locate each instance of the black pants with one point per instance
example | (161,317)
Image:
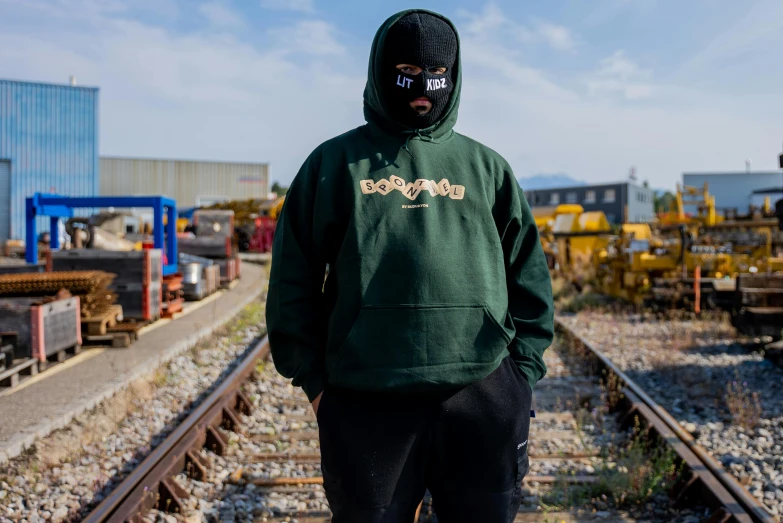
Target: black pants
(381,451)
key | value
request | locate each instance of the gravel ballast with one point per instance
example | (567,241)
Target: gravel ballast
(74,468)
(688,366)
(52,485)
(282,422)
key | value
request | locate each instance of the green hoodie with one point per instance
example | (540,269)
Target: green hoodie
(435,270)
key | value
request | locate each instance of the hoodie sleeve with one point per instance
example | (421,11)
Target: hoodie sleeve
(527,279)
(296,281)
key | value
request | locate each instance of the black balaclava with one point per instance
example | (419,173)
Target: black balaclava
(426,41)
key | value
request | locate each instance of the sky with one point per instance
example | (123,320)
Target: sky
(588,89)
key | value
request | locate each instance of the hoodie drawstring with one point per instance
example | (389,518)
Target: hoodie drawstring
(425,136)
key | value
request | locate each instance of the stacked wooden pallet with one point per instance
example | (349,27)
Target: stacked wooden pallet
(759,305)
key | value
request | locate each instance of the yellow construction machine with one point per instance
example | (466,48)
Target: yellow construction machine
(625,267)
(701,199)
(544,217)
(640,266)
(659,264)
(721,247)
(569,235)
(578,235)
(672,270)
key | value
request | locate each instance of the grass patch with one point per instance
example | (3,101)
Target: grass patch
(743,404)
(580,302)
(161,377)
(639,470)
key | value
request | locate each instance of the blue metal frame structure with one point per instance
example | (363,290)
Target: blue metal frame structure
(57,207)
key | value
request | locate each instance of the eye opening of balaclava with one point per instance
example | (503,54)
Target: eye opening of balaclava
(426,41)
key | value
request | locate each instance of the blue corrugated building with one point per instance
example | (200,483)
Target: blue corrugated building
(48,143)
(737,190)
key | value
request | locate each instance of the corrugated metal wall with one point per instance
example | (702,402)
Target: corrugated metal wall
(49,134)
(5,199)
(733,190)
(186,181)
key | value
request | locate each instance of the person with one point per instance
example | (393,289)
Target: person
(419,349)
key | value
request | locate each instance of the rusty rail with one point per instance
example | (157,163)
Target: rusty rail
(152,484)
(730,501)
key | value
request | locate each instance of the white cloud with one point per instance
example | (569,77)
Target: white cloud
(542,123)
(619,65)
(196,95)
(302,6)
(607,11)
(91,11)
(314,37)
(210,94)
(220,15)
(557,36)
(70,9)
(619,74)
(492,24)
(755,38)
(490,20)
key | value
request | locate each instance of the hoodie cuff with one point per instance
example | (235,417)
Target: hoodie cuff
(529,369)
(314,385)
(529,362)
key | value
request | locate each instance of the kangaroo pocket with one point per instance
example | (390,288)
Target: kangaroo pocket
(411,336)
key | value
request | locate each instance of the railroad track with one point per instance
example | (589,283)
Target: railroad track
(706,479)
(248,444)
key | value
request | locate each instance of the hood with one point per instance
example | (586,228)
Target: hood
(375,111)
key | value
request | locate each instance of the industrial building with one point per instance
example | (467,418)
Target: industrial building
(48,143)
(736,191)
(190,183)
(621,202)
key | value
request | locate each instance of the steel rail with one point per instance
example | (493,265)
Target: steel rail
(151,483)
(740,504)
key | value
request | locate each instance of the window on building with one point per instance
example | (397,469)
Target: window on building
(590,197)
(554,198)
(609,195)
(570,197)
(610,218)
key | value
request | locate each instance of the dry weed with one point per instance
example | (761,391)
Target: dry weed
(743,404)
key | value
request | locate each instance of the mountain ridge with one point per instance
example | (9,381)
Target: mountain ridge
(548,181)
